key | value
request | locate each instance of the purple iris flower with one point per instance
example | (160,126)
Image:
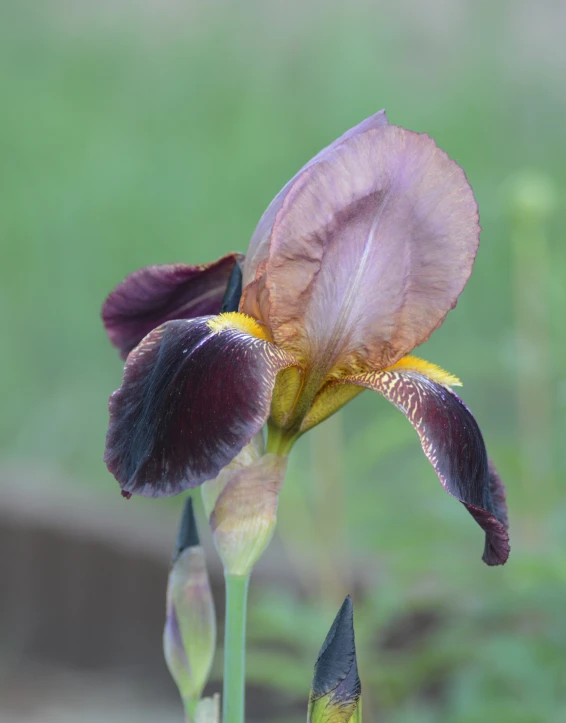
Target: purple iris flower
(355,262)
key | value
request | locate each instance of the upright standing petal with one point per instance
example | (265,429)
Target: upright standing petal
(370,249)
(452,441)
(155,294)
(194,393)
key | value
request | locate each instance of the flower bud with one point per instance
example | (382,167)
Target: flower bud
(189,638)
(241,504)
(336,689)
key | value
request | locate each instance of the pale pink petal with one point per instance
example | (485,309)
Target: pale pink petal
(370,249)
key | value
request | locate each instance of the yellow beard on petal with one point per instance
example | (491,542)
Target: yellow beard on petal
(432,371)
(239,322)
(338,391)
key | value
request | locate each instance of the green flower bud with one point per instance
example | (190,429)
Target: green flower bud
(336,689)
(189,638)
(241,504)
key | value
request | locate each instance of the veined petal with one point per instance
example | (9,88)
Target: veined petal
(452,441)
(156,294)
(369,250)
(194,393)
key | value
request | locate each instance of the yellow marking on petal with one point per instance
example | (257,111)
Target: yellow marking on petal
(240,322)
(349,367)
(432,371)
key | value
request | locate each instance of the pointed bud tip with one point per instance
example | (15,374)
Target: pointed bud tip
(338,652)
(231,300)
(188,533)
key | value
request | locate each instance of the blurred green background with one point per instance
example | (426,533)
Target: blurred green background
(134,133)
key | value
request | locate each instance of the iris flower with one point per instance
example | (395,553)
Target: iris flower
(355,262)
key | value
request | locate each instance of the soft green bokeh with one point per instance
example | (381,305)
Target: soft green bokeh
(135,132)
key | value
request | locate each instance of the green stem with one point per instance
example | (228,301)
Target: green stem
(235,649)
(190,710)
(279,441)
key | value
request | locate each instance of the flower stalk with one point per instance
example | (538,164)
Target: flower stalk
(235,648)
(241,505)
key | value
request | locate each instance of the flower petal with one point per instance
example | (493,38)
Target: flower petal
(155,294)
(453,444)
(191,398)
(371,247)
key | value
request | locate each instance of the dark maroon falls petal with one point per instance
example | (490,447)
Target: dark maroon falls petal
(190,399)
(155,294)
(453,443)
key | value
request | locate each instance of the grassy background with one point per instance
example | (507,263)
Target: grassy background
(134,133)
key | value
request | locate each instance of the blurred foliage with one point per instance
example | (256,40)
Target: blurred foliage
(134,133)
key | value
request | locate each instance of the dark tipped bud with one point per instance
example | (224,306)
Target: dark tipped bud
(231,300)
(189,638)
(188,533)
(338,652)
(336,689)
